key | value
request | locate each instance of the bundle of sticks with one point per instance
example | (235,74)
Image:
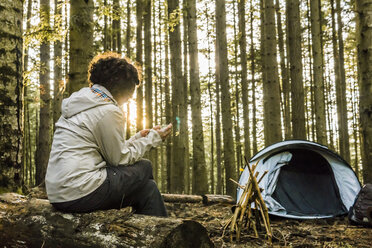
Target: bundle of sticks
(244,216)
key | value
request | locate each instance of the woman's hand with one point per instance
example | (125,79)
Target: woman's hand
(144,132)
(164,132)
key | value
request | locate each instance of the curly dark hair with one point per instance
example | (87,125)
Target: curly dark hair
(113,72)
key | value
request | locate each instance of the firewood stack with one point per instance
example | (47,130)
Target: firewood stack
(244,216)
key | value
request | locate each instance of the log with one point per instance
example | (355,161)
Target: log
(35,223)
(207,199)
(182,198)
(214,199)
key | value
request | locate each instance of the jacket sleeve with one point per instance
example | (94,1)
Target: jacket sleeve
(109,134)
(134,137)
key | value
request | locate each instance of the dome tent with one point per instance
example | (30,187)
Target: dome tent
(305,180)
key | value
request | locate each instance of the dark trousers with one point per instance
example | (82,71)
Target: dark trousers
(131,185)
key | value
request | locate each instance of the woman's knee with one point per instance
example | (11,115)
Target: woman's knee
(147,166)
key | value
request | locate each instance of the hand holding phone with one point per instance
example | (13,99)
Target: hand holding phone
(165,131)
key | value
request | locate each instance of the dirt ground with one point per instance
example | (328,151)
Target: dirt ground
(286,232)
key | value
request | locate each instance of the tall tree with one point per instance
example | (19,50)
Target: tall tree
(116,29)
(295,60)
(271,94)
(11,94)
(343,128)
(364,37)
(221,53)
(81,43)
(184,128)
(200,182)
(178,163)
(44,76)
(244,81)
(168,107)
(316,35)
(253,81)
(148,63)
(58,83)
(284,75)
(219,187)
(27,154)
(129,55)
(139,98)
(236,114)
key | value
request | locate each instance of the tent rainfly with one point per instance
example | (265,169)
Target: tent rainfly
(305,180)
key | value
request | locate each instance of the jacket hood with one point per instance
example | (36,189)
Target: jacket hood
(80,101)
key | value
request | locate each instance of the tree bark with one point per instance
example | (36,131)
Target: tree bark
(11,94)
(286,106)
(43,146)
(271,94)
(168,107)
(228,142)
(178,163)
(295,60)
(81,43)
(199,182)
(320,113)
(253,82)
(139,98)
(116,29)
(342,104)
(58,82)
(148,63)
(184,128)
(244,80)
(364,44)
(34,223)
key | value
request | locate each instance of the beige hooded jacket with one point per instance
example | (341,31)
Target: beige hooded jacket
(89,136)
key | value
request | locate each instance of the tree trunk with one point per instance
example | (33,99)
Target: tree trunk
(221,52)
(219,187)
(58,82)
(244,81)
(81,43)
(253,83)
(139,98)
(295,60)
(342,104)
(271,94)
(364,37)
(148,65)
(178,163)
(184,128)
(30,223)
(168,107)
(128,33)
(43,146)
(116,29)
(128,55)
(238,145)
(11,94)
(320,113)
(199,182)
(284,74)
(26,137)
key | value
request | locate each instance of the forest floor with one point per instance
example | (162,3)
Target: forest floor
(286,232)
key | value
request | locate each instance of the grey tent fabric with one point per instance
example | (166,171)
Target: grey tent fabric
(305,180)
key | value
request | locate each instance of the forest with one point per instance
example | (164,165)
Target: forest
(232,76)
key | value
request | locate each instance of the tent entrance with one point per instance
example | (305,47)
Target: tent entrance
(306,186)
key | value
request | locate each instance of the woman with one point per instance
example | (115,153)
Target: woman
(91,165)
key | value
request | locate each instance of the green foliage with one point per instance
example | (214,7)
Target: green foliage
(174,19)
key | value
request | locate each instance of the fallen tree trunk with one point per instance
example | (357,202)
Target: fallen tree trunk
(35,223)
(205,199)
